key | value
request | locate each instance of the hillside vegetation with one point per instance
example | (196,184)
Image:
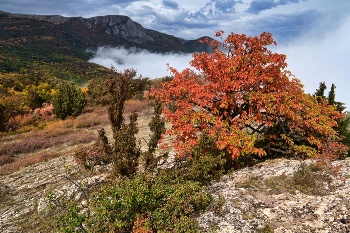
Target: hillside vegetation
(37,52)
(139,155)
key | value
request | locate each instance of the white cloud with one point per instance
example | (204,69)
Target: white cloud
(322,56)
(152,65)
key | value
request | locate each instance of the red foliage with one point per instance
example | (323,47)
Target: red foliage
(39,114)
(241,96)
(93,155)
(19,121)
(45,112)
(332,150)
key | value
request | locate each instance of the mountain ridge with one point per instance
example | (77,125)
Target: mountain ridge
(113,30)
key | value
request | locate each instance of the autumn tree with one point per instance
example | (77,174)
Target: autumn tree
(10,107)
(97,93)
(246,101)
(34,96)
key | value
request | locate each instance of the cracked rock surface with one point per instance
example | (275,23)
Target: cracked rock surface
(24,192)
(252,211)
(245,209)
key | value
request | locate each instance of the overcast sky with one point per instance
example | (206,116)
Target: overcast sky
(314,34)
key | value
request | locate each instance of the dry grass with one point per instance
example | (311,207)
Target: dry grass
(4,159)
(142,107)
(69,132)
(14,149)
(42,140)
(87,120)
(28,145)
(313,179)
(33,159)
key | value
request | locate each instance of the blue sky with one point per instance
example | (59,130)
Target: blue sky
(314,34)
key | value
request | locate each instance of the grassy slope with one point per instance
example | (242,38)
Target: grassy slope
(37,50)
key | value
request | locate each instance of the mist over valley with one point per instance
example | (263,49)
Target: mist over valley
(148,64)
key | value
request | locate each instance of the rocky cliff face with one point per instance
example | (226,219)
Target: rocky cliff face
(121,26)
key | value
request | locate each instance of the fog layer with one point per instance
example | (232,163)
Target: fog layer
(314,58)
(152,65)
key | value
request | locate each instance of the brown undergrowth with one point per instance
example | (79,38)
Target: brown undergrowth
(19,149)
(26,161)
(23,149)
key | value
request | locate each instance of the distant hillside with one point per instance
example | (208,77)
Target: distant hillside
(82,33)
(50,48)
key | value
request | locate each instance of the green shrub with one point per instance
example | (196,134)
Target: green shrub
(67,213)
(126,151)
(68,100)
(218,204)
(204,164)
(163,204)
(157,127)
(72,221)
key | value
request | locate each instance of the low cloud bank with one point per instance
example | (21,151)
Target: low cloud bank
(316,57)
(152,65)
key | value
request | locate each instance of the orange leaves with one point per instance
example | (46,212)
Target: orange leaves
(240,94)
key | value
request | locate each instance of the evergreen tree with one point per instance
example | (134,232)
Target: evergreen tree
(69,100)
(126,151)
(331,95)
(157,127)
(320,92)
(343,124)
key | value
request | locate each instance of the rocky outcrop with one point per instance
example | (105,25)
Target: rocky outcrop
(246,208)
(254,211)
(121,26)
